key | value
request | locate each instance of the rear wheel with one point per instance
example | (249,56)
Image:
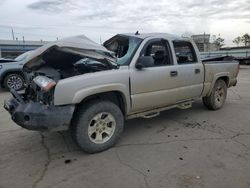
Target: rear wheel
(218,96)
(14,81)
(97,126)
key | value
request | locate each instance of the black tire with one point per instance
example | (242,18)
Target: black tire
(14,81)
(84,118)
(217,98)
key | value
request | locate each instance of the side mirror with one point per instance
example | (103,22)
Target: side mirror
(144,61)
(139,65)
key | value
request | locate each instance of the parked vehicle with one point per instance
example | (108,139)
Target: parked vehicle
(11,74)
(5,60)
(241,54)
(91,89)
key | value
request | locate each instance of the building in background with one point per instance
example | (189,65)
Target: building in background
(203,43)
(13,48)
(201,40)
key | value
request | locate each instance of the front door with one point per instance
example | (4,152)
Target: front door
(155,84)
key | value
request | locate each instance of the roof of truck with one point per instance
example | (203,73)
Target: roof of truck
(146,35)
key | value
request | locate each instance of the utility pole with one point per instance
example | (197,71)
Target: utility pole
(204,41)
(23,43)
(13,36)
(100,39)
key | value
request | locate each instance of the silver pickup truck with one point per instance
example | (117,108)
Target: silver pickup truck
(91,89)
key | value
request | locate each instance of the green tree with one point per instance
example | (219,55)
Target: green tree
(237,40)
(246,39)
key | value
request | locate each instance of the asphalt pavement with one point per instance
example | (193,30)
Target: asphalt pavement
(192,148)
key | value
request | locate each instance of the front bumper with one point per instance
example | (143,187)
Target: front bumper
(36,116)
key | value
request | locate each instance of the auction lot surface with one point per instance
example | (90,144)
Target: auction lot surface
(180,148)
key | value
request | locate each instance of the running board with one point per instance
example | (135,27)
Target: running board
(155,112)
(151,115)
(185,105)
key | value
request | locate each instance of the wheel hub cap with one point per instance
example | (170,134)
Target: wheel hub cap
(14,82)
(101,127)
(219,95)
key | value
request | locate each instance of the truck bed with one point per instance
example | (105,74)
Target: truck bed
(214,70)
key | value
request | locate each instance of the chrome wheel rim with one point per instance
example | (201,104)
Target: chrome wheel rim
(101,128)
(15,82)
(219,95)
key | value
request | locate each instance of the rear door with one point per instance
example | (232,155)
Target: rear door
(190,71)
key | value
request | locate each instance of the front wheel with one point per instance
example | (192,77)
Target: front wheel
(217,97)
(14,81)
(97,126)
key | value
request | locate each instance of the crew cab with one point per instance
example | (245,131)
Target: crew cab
(90,89)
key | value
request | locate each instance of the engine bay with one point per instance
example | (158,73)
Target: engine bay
(82,66)
(57,64)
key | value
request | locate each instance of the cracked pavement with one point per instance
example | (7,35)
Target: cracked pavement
(192,148)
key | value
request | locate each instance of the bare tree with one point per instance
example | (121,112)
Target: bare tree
(246,39)
(237,40)
(219,42)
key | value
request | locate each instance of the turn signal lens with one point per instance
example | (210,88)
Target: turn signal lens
(44,82)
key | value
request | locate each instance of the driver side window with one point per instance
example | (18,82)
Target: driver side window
(159,53)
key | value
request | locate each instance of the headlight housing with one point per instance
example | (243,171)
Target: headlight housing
(44,83)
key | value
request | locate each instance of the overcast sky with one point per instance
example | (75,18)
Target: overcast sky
(49,19)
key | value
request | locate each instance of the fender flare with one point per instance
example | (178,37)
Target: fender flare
(82,94)
(216,77)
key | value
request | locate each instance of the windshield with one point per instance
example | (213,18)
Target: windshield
(22,56)
(124,47)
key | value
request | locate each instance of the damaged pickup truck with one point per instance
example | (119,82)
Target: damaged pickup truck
(75,84)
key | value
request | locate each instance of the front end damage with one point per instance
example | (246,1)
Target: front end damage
(34,108)
(36,116)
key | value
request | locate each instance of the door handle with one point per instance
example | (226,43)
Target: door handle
(173,73)
(197,71)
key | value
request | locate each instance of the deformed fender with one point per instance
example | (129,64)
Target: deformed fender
(81,94)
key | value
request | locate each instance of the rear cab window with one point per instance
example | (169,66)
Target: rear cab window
(185,53)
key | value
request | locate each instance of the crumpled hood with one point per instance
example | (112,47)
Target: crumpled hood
(79,45)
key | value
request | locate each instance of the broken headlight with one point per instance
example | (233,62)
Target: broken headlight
(44,83)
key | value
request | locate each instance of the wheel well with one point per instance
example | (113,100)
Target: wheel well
(225,79)
(10,72)
(113,96)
